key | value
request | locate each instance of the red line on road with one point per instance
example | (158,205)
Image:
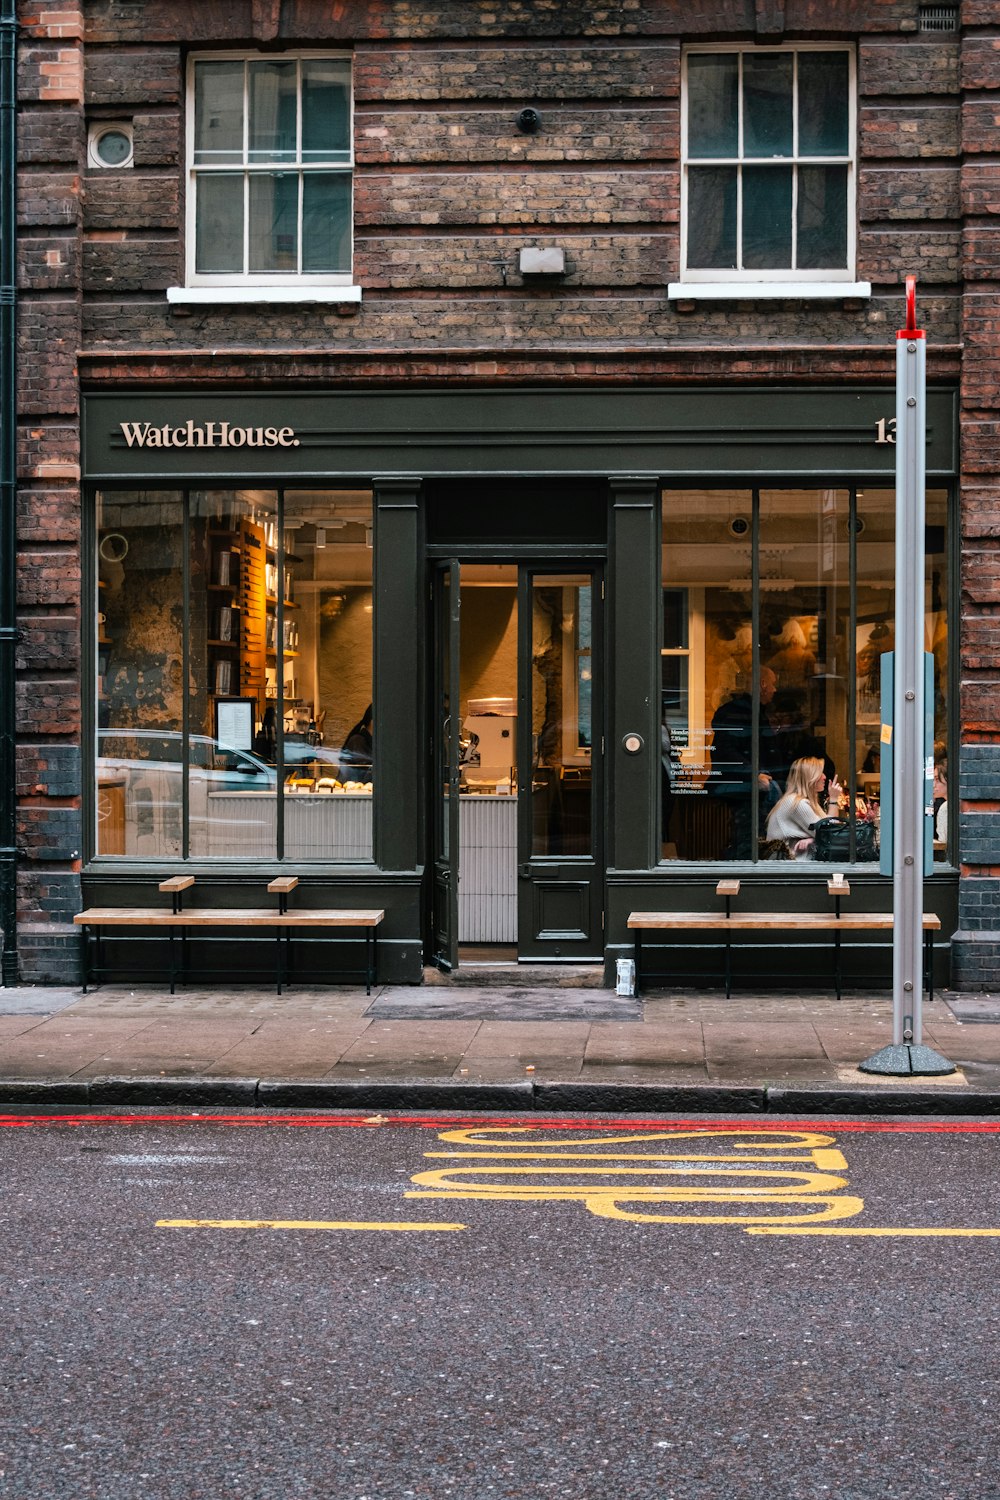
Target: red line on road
(439,1122)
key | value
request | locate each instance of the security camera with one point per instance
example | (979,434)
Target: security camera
(529,122)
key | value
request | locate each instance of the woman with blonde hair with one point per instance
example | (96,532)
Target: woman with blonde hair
(792,818)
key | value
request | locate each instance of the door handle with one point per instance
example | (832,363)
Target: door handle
(524,871)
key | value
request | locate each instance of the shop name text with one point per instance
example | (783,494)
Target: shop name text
(191,434)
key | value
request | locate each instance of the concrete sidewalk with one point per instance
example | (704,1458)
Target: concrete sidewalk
(483,1049)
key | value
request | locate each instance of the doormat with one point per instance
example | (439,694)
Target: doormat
(974,1007)
(403,1003)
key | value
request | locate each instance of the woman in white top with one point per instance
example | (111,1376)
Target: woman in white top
(792,818)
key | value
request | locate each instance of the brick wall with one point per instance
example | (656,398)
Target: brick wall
(977,943)
(447,192)
(50,153)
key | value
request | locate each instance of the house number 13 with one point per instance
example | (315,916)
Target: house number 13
(885,430)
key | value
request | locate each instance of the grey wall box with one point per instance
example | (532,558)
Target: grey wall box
(542,260)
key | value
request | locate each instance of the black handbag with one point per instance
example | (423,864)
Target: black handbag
(833,841)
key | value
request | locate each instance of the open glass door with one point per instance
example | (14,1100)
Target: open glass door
(560,864)
(446,730)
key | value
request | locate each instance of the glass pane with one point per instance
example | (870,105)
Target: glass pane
(218,112)
(274,221)
(767,104)
(232,783)
(447,718)
(706,656)
(824,93)
(561,616)
(139,765)
(822,218)
(273,102)
(713,81)
(712,217)
(326,109)
(219,228)
(937,644)
(326,221)
(805,752)
(319,659)
(767,217)
(876,632)
(487,725)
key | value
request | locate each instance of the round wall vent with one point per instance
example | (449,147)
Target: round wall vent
(109,144)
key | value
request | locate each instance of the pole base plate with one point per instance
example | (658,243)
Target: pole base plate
(905,1060)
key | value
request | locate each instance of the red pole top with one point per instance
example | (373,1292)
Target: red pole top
(911,331)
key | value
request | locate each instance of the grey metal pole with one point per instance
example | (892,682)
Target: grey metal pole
(907,1054)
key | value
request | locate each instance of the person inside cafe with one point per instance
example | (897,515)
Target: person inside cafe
(801,807)
(732,759)
(356,754)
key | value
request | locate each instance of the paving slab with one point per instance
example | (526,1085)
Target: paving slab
(432,1049)
(657,1045)
(760,1041)
(974,1008)
(60,1050)
(255,1004)
(35,1000)
(289,1049)
(11,1026)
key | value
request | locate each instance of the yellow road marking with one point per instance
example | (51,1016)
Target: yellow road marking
(846,1230)
(294,1224)
(822,1158)
(629,1177)
(495,1137)
(749,1185)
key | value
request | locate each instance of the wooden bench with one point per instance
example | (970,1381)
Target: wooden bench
(728,922)
(178,919)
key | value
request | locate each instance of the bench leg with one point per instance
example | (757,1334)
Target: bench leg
(278,958)
(729,968)
(836,960)
(638,958)
(929,962)
(369,958)
(87,940)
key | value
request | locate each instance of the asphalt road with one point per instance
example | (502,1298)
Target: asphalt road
(199,1307)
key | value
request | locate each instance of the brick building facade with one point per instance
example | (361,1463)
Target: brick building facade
(447,191)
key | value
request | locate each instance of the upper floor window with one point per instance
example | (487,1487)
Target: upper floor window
(269,170)
(768,164)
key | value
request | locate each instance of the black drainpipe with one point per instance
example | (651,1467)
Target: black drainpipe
(8,487)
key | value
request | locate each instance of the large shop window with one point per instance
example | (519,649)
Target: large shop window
(269,170)
(234,675)
(768,162)
(777,607)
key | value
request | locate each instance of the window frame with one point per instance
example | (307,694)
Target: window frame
(280,283)
(786,280)
(855,487)
(182,731)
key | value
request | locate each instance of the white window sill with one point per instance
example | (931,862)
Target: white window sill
(249,294)
(754,291)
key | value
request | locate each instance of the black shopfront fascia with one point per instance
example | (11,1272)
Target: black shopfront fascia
(415,446)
